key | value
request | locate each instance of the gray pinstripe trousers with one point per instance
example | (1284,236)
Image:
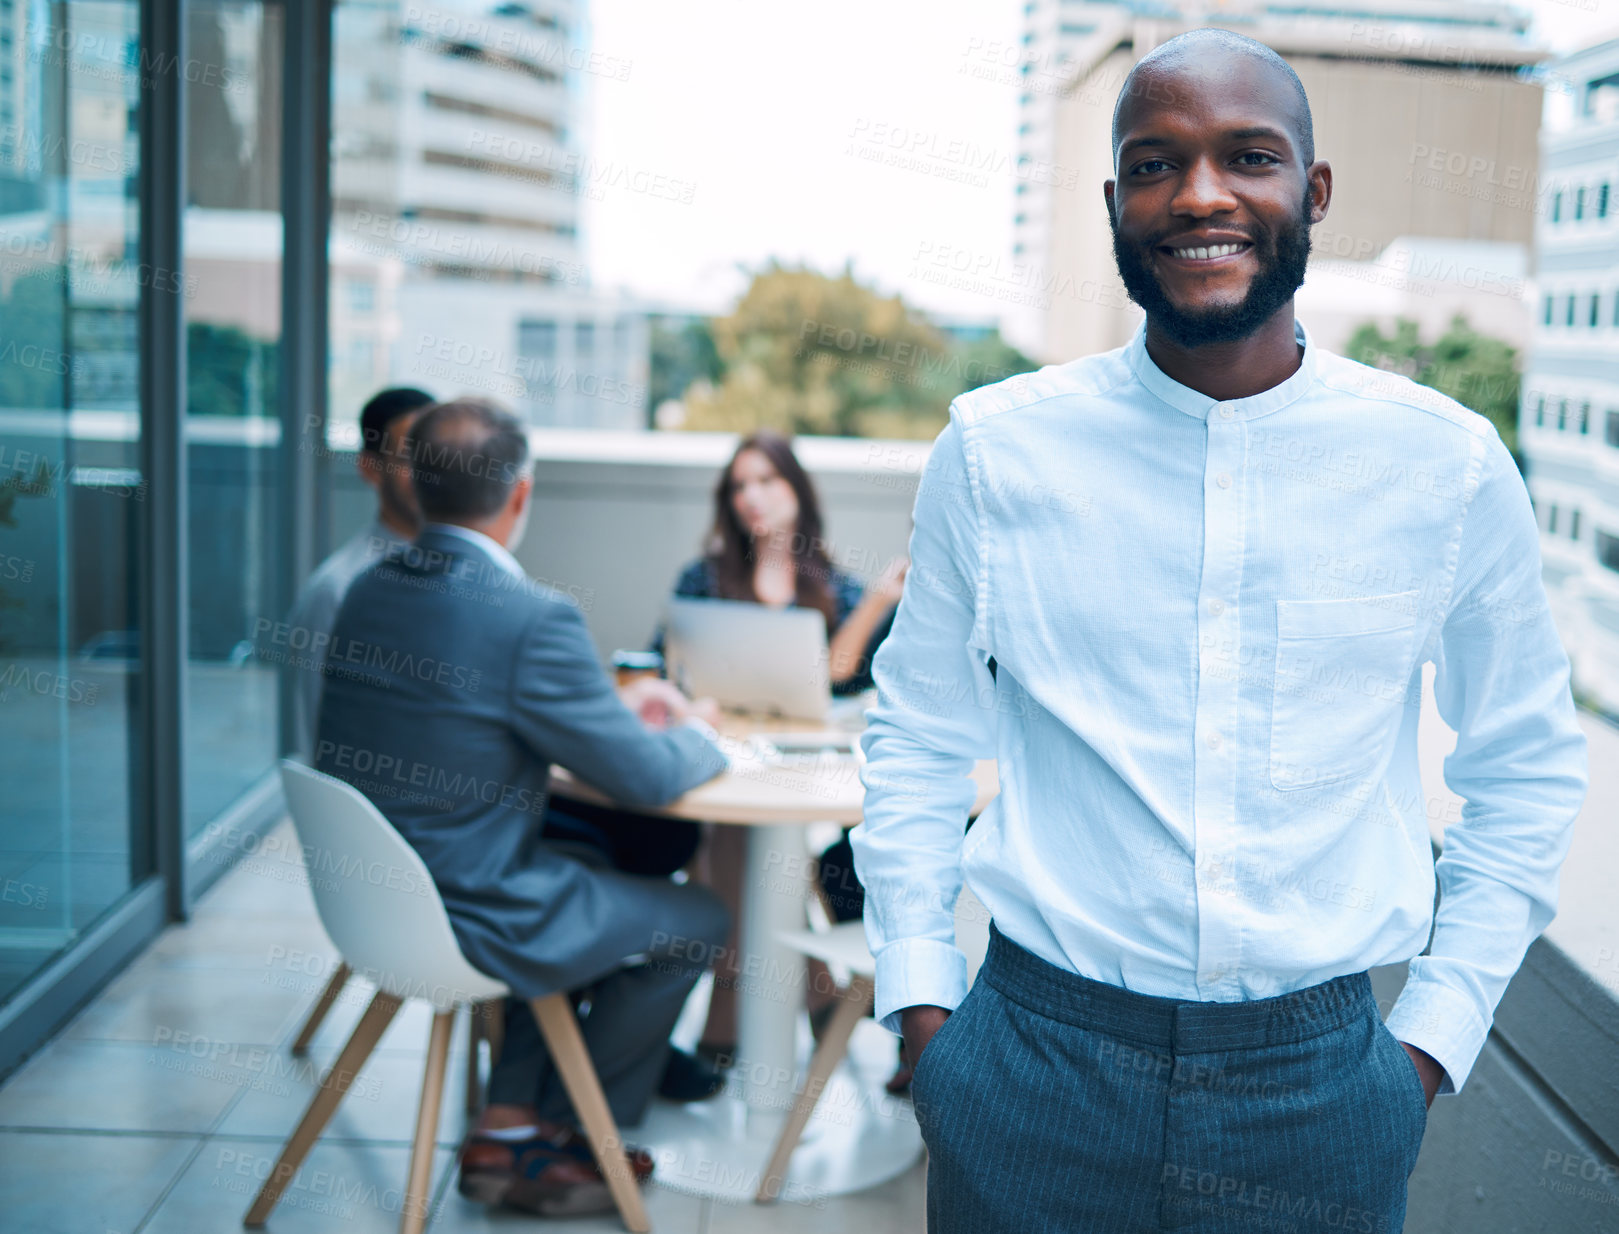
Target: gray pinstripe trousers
(1050,1102)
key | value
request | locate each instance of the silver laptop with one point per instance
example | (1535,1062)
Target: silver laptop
(750,657)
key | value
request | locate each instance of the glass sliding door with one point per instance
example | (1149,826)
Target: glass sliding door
(233,246)
(72,841)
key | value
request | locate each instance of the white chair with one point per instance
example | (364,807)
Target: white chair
(380,908)
(844,947)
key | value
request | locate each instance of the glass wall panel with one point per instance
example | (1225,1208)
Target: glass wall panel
(233,243)
(70,485)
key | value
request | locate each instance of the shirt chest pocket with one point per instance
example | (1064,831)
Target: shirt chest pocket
(1343,670)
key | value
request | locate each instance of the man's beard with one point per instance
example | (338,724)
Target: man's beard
(1281,273)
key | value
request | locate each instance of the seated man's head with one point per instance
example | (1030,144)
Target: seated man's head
(384,424)
(470,466)
(1216,186)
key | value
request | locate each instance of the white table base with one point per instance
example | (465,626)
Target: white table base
(859,1136)
(771,986)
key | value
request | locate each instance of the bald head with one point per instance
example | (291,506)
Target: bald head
(1208,53)
(467,455)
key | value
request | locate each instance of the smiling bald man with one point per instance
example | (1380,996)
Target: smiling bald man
(1185,592)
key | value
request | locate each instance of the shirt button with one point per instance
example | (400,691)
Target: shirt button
(1226,413)
(1223,479)
(1214,741)
(1216,607)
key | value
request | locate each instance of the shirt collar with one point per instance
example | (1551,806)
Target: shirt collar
(1184,398)
(494,549)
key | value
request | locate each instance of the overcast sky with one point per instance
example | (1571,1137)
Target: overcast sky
(729,131)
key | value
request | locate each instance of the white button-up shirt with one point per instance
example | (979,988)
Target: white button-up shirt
(1207,623)
(493,548)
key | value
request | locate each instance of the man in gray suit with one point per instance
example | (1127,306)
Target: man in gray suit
(453,682)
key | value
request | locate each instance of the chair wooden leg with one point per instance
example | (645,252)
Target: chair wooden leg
(333,1085)
(474,1033)
(413,1211)
(853,1003)
(323,1004)
(560,1028)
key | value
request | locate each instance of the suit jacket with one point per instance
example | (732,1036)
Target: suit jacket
(451,687)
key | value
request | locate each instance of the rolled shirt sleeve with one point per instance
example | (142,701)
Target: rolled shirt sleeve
(1502,682)
(925,734)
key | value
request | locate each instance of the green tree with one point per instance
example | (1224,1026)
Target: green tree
(229,372)
(805,352)
(1478,371)
(31,343)
(682,351)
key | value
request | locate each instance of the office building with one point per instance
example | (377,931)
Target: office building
(1569,419)
(458,177)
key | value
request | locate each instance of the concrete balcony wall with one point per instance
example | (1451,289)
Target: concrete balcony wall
(616,515)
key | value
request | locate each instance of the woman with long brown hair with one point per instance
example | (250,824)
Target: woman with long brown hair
(767,545)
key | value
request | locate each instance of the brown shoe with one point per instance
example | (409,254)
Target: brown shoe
(551,1175)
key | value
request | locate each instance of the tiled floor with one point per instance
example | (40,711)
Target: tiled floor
(163,1105)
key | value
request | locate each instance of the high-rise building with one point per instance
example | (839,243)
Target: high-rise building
(458,173)
(455,128)
(1569,418)
(1451,79)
